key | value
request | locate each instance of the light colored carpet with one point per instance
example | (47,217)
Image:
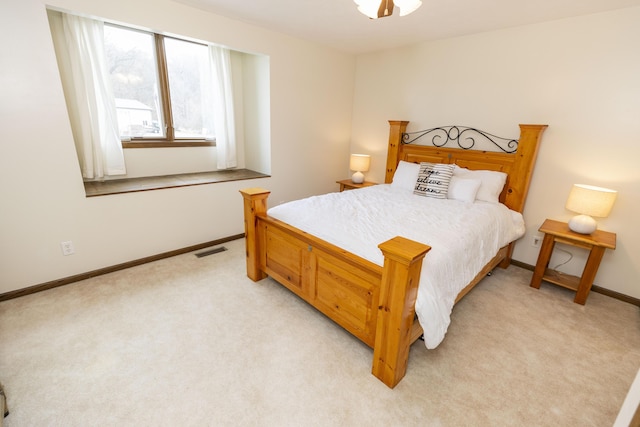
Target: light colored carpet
(192,342)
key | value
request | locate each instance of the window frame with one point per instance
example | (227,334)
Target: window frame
(165,96)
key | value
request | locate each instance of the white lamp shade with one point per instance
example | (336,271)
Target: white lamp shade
(359,162)
(590,200)
(368,7)
(407,6)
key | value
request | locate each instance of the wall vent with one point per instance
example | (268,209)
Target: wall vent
(211,251)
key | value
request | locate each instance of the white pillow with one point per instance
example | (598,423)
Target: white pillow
(463,189)
(433,180)
(405,176)
(492,182)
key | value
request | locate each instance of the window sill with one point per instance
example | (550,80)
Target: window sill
(139,143)
(131,185)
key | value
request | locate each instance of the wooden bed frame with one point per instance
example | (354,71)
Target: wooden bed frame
(376,304)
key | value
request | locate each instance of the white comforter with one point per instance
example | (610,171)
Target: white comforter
(463,237)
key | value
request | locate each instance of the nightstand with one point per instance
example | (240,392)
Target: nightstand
(558,232)
(347,184)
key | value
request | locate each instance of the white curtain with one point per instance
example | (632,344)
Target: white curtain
(224,121)
(79,45)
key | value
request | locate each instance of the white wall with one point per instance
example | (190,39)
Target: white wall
(580,76)
(41,191)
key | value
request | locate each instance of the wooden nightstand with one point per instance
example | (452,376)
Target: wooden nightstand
(347,184)
(596,242)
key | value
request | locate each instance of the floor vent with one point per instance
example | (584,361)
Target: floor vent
(211,251)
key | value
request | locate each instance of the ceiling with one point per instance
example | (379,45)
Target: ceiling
(338,24)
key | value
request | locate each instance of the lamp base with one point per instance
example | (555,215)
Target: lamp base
(357,178)
(583,224)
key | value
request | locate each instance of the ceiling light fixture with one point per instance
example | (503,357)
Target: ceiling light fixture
(379,9)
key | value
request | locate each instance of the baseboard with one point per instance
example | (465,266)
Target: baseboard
(594,288)
(82,276)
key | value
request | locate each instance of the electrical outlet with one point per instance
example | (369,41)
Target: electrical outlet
(67,248)
(535,241)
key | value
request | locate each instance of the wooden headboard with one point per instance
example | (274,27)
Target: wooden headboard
(516,159)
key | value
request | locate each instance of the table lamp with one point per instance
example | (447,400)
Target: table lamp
(359,163)
(589,201)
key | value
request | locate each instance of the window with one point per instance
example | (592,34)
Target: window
(129,87)
(160,85)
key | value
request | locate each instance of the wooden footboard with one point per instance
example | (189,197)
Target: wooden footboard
(376,304)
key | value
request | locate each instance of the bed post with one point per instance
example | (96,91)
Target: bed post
(520,176)
(255,204)
(396,129)
(396,307)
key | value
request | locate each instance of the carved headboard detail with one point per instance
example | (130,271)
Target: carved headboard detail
(515,157)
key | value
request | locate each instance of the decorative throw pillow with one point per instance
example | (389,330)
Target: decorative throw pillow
(433,180)
(405,175)
(463,189)
(492,182)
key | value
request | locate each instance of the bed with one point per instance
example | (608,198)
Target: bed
(373,292)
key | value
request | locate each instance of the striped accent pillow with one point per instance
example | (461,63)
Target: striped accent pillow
(433,180)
